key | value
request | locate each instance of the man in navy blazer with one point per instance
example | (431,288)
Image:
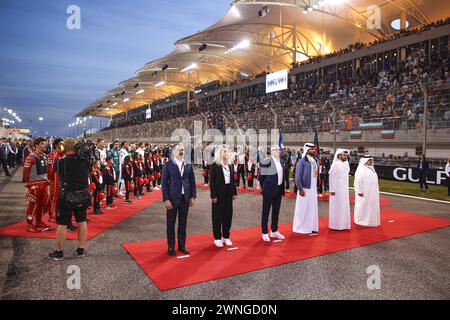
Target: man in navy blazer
(179,193)
(271,178)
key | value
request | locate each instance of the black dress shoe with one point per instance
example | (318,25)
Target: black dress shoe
(184,250)
(172,252)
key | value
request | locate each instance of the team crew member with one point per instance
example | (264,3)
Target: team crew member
(205,172)
(242,160)
(35,173)
(158,171)
(251,173)
(109,179)
(138,174)
(74,176)
(149,171)
(100,152)
(97,179)
(53,177)
(128,176)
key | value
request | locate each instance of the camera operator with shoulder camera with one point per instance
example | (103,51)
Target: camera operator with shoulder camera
(73,173)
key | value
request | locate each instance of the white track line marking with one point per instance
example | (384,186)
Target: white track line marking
(411,197)
(277,240)
(183,257)
(230,249)
(390,221)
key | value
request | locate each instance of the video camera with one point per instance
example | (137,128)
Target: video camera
(86,151)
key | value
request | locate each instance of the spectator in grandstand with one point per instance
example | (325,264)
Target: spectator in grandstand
(423,167)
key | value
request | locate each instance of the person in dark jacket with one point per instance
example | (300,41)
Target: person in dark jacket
(179,193)
(223,193)
(272,185)
(423,167)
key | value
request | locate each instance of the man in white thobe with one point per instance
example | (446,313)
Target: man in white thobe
(306,216)
(367,193)
(339,205)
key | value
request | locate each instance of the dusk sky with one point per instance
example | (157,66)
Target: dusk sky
(49,71)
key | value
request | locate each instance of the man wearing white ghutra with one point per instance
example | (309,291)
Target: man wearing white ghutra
(306,217)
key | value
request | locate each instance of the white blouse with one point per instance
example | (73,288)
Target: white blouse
(226,173)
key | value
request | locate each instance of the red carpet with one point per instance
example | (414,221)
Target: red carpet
(98,224)
(208,263)
(384,202)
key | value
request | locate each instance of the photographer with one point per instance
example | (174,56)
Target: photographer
(73,173)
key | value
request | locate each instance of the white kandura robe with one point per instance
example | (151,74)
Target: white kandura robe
(339,204)
(306,216)
(367,207)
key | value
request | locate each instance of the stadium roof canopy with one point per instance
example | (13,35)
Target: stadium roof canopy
(258,36)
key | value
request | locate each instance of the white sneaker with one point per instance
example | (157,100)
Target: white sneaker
(266,237)
(218,243)
(156,188)
(277,235)
(227,242)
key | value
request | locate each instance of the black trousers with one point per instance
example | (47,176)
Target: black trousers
(273,202)
(96,199)
(286,177)
(5,166)
(423,179)
(109,196)
(448,186)
(242,174)
(181,210)
(127,189)
(222,215)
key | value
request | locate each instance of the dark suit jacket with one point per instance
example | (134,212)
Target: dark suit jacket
(268,177)
(425,166)
(172,182)
(217,181)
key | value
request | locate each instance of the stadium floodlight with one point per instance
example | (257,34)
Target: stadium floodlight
(159,84)
(140,91)
(241,45)
(126,100)
(41,119)
(190,67)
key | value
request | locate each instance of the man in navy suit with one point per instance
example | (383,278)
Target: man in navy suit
(179,193)
(271,179)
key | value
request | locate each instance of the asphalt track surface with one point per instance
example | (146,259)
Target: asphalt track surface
(414,267)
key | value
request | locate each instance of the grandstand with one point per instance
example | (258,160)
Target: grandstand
(374,91)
